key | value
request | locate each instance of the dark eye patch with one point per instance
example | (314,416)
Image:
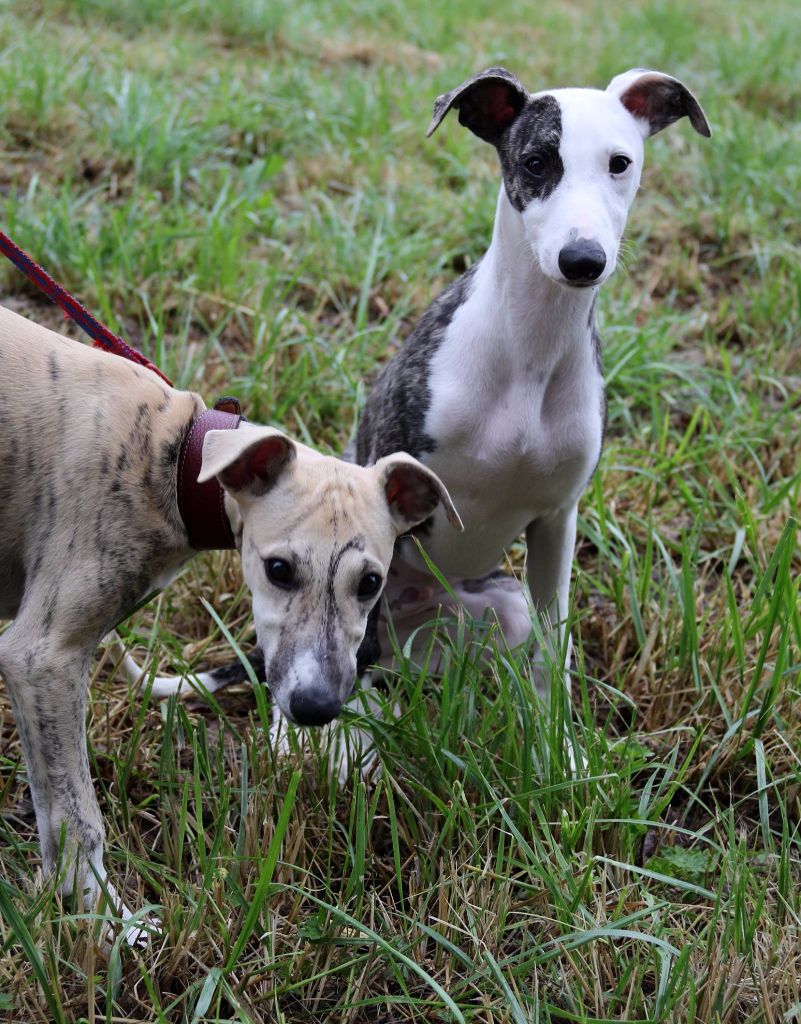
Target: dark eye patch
(529,152)
(536,165)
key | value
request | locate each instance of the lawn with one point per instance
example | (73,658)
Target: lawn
(243,189)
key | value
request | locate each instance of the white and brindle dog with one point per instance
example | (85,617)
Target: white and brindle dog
(499,389)
(102,469)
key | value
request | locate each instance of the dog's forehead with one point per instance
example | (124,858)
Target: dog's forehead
(591,116)
(319,503)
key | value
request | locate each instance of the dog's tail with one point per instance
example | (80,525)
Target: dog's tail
(201,683)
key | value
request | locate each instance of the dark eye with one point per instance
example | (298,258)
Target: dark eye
(535,166)
(618,164)
(280,572)
(369,585)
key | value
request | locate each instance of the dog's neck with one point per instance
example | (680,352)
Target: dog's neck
(203,506)
(543,322)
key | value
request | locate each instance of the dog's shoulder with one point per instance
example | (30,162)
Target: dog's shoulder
(394,415)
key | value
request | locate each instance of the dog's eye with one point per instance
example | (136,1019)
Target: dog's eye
(535,166)
(369,585)
(280,572)
(618,164)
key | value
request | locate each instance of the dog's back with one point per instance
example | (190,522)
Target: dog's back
(82,432)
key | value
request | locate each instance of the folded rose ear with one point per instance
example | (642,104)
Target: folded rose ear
(487,103)
(657,100)
(413,492)
(249,459)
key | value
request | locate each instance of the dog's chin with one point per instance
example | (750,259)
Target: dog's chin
(572,286)
(557,277)
(577,285)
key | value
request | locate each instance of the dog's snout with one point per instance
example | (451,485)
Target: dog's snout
(582,261)
(314,706)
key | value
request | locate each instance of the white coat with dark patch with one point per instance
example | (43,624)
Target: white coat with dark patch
(499,389)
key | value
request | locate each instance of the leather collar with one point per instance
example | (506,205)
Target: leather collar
(202,506)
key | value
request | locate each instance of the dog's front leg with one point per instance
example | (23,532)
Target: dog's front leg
(551,542)
(47,684)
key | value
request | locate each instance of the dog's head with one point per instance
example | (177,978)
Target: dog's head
(316,537)
(571,159)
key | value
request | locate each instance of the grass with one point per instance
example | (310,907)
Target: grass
(244,191)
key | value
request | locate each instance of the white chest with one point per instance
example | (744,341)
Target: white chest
(516,439)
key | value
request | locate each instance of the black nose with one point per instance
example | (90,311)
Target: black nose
(314,707)
(582,261)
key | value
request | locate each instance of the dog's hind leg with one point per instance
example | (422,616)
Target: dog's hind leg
(417,603)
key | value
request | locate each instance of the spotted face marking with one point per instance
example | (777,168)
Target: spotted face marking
(571,159)
(574,231)
(529,153)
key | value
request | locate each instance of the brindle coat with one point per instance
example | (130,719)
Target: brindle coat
(89,526)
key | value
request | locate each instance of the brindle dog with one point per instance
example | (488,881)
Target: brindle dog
(90,525)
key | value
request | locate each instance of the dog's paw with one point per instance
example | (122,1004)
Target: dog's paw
(135,928)
(576,758)
(353,747)
(139,931)
(279,734)
(346,745)
(350,747)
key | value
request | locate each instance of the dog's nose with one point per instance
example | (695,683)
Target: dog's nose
(582,261)
(314,707)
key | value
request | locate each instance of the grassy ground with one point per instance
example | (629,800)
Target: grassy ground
(244,190)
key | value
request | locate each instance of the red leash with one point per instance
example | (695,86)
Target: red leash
(202,506)
(100,335)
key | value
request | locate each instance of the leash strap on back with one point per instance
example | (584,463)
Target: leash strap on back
(201,506)
(100,335)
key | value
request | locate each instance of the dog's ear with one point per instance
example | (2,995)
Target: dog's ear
(656,100)
(413,492)
(246,460)
(487,103)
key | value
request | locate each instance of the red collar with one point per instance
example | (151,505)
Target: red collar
(202,506)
